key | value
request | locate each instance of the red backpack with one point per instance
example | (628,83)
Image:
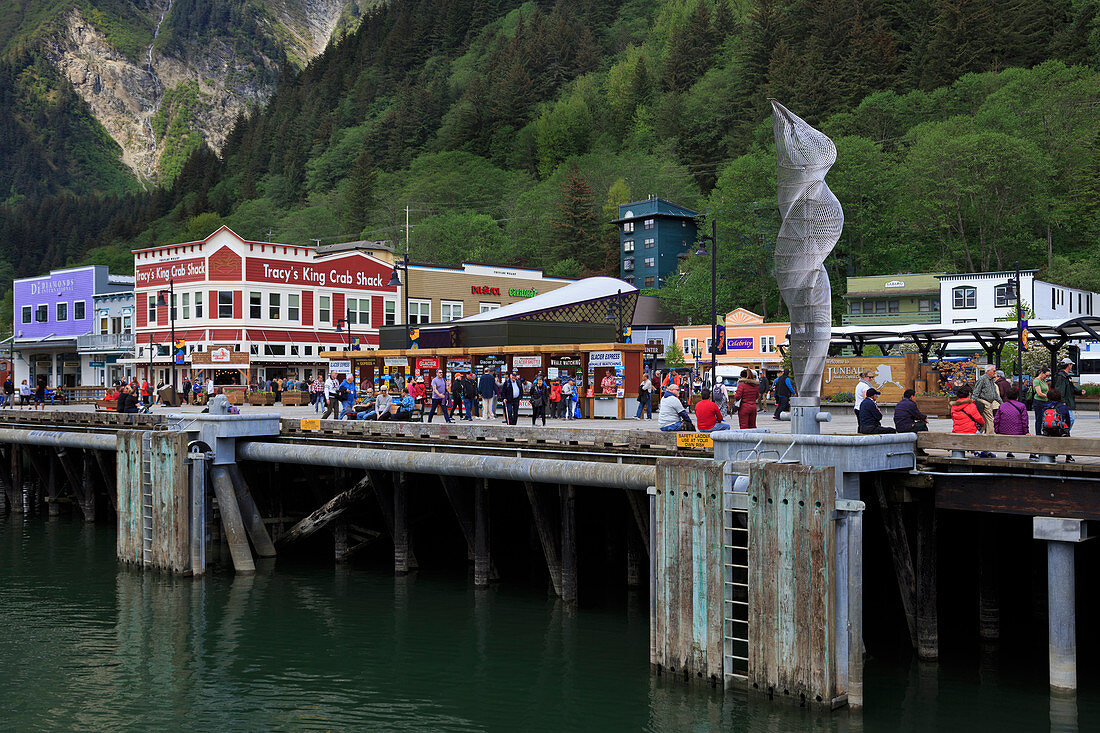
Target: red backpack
(1054,423)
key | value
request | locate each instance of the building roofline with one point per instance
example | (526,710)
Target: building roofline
(1006,273)
(54,272)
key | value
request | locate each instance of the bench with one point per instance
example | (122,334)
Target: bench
(106,405)
(1046,447)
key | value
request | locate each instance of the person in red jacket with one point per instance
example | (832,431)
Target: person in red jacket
(748,391)
(708,417)
(966,418)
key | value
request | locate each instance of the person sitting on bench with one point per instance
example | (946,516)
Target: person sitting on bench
(870,416)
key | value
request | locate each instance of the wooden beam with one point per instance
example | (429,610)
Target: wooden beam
(76,486)
(109,479)
(928,639)
(568,544)
(384,493)
(17,505)
(253,520)
(327,513)
(481,533)
(639,506)
(1039,496)
(464,513)
(989,612)
(548,536)
(1019,444)
(894,524)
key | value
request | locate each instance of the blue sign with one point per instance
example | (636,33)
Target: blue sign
(745,343)
(94,364)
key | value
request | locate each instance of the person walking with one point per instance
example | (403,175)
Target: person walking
(347,393)
(1063,382)
(987,396)
(907,416)
(9,392)
(708,416)
(456,391)
(744,399)
(567,391)
(555,399)
(487,391)
(332,398)
(720,396)
(645,398)
(765,387)
(439,397)
(185,391)
(40,392)
(1037,395)
(498,380)
(25,394)
(539,396)
(512,392)
(672,414)
(784,391)
(316,394)
(870,416)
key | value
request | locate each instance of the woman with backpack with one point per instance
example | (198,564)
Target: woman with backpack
(1057,419)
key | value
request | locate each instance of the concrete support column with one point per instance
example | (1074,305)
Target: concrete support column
(928,639)
(198,507)
(1061,536)
(17,487)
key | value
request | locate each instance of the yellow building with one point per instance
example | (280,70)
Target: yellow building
(750,342)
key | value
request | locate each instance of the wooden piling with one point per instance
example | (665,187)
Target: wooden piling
(340,540)
(634,553)
(250,513)
(568,544)
(928,640)
(481,533)
(400,524)
(989,612)
(331,511)
(17,501)
(53,509)
(898,540)
(548,535)
(108,477)
(232,522)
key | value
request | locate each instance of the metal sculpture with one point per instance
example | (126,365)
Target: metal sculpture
(812,220)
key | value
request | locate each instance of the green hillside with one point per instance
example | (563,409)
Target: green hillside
(966,132)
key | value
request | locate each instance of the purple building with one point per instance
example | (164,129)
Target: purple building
(51,312)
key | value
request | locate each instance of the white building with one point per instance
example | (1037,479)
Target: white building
(984,297)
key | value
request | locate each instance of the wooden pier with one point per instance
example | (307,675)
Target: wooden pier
(755,565)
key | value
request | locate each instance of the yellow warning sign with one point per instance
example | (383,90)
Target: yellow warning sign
(310,424)
(693,440)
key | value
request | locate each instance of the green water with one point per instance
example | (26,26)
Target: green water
(88,644)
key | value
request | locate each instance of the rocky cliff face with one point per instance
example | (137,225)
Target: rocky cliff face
(126,95)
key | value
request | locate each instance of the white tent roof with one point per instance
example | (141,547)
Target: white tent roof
(582,291)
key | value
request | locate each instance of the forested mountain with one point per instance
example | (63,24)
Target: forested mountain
(967,134)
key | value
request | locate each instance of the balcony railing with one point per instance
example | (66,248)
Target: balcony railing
(105,342)
(888,319)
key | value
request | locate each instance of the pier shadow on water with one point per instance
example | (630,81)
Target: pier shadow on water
(91,644)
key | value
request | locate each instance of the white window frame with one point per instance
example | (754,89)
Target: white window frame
(649,223)
(628,264)
(255,305)
(417,306)
(969,294)
(767,344)
(152,303)
(447,310)
(83,307)
(1001,298)
(650,281)
(628,245)
(650,261)
(198,304)
(486,307)
(28,314)
(186,306)
(324,309)
(293,307)
(228,305)
(650,243)
(127,324)
(690,345)
(628,227)
(389,312)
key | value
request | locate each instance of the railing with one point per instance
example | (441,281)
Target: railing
(888,319)
(105,342)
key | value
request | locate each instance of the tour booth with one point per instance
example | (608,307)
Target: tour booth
(606,375)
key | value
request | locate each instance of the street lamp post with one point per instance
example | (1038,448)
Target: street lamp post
(395,282)
(345,324)
(1019,333)
(171,303)
(713,238)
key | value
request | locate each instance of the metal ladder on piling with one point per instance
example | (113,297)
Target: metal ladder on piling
(147,499)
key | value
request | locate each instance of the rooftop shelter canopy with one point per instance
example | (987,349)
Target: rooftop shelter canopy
(584,301)
(992,335)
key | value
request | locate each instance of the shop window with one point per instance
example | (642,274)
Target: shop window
(294,350)
(880,306)
(855,308)
(924,305)
(893,306)
(62,313)
(225,304)
(26,314)
(104,325)
(767,344)
(690,345)
(309,351)
(198,304)
(79,310)
(254,349)
(127,324)
(186,306)
(628,245)
(420,311)
(152,304)
(389,312)
(274,350)
(255,305)
(965,297)
(292,307)
(359,311)
(324,309)
(274,306)
(450,310)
